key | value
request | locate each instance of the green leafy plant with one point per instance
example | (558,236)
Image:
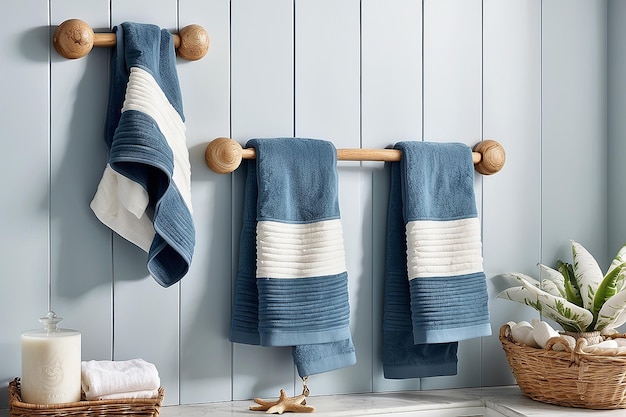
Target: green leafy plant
(577,296)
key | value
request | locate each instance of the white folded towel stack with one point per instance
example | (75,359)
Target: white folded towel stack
(133,378)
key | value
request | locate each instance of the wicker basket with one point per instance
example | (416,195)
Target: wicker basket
(125,407)
(585,377)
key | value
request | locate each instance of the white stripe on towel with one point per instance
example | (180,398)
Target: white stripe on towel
(288,250)
(443,248)
(121,203)
(144,94)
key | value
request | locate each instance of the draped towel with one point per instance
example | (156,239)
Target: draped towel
(145,192)
(292,284)
(435,287)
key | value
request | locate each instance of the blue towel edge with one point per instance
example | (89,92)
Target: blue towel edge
(419,371)
(329,363)
(278,338)
(453,334)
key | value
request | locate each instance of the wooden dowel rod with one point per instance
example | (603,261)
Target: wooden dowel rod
(109,40)
(105,40)
(224,155)
(383,155)
(74,38)
(360,154)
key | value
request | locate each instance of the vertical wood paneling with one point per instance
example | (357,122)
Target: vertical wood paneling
(78,154)
(327,71)
(391,77)
(327,101)
(511,115)
(616,124)
(391,110)
(148,328)
(350,72)
(262,106)
(452,112)
(452,70)
(574,118)
(206,290)
(24,78)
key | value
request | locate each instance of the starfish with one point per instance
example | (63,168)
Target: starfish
(284,403)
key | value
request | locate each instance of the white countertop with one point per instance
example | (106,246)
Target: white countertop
(469,402)
(488,402)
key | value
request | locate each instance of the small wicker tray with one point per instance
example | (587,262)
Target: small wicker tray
(126,407)
(575,378)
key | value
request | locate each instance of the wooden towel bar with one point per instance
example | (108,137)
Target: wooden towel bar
(74,39)
(224,155)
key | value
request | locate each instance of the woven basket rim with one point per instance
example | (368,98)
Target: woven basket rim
(572,378)
(581,350)
(15,400)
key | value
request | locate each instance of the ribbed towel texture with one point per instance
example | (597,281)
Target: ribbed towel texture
(435,287)
(134,378)
(145,192)
(292,284)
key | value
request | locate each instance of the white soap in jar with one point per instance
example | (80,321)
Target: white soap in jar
(51,361)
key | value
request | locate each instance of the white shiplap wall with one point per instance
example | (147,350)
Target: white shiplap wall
(362,73)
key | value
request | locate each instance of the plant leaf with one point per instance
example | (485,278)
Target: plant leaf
(565,312)
(621,319)
(619,283)
(572,292)
(520,295)
(554,276)
(606,289)
(528,278)
(552,288)
(611,311)
(587,273)
(571,325)
(619,259)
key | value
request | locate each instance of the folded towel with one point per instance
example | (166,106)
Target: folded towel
(435,287)
(130,395)
(145,192)
(292,284)
(133,378)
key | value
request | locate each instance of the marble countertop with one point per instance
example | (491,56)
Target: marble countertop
(469,402)
(488,402)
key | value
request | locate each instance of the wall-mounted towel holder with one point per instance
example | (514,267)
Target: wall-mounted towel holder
(74,38)
(224,155)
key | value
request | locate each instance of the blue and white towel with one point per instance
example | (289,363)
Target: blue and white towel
(145,192)
(435,287)
(292,284)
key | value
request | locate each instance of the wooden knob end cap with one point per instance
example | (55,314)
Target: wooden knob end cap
(493,157)
(73,39)
(194,42)
(223,155)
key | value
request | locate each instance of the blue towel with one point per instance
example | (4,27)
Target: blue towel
(435,287)
(145,192)
(292,284)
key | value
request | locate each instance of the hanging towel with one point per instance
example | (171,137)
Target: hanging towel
(435,287)
(145,192)
(134,378)
(292,284)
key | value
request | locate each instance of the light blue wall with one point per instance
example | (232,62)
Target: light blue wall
(616,124)
(574,128)
(531,74)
